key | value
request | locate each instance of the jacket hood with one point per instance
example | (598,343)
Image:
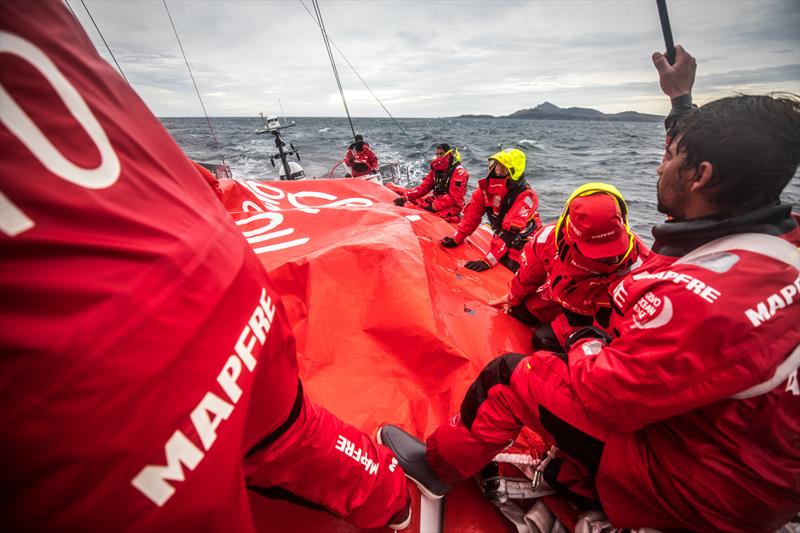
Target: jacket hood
(513,159)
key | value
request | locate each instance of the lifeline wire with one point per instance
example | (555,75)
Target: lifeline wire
(359,77)
(210,127)
(321,25)
(103,38)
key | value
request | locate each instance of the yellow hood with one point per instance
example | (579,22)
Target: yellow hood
(513,159)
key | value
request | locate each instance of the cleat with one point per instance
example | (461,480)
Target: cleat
(410,453)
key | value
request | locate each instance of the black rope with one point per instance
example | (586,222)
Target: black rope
(321,25)
(71,11)
(210,127)
(103,38)
(360,78)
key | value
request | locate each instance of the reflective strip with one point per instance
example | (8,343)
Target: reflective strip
(757,243)
(491,259)
(543,235)
(789,366)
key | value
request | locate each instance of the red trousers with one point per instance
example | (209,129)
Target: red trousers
(511,392)
(328,462)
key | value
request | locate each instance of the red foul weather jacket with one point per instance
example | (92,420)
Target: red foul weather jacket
(448,196)
(508,215)
(361,162)
(699,389)
(145,352)
(543,281)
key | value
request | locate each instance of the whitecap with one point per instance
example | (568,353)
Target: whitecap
(323,130)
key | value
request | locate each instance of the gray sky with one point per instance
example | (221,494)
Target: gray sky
(443,58)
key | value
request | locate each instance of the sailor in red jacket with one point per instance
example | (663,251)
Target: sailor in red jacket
(148,370)
(509,203)
(686,417)
(447,183)
(567,266)
(360,158)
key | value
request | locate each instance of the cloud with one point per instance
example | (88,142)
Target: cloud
(440,59)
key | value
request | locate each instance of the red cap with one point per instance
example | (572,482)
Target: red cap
(595,223)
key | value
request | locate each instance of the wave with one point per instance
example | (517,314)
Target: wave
(532,145)
(323,130)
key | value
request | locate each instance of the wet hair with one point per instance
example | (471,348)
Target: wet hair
(359,137)
(752,142)
(444,146)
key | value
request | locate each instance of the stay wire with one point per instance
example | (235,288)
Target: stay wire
(321,25)
(191,75)
(101,37)
(72,11)
(360,78)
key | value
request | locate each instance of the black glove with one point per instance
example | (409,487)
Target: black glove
(589,332)
(429,207)
(545,339)
(477,266)
(449,242)
(399,201)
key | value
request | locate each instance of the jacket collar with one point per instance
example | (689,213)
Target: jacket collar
(676,238)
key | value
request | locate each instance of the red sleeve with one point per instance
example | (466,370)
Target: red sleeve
(656,372)
(422,189)
(497,249)
(348,158)
(522,212)
(532,273)
(455,195)
(473,214)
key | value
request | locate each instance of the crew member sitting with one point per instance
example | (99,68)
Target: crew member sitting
(360,158)
(685,418)
(510,205)
(567,266)
(447,184)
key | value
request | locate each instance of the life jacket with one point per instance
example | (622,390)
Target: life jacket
(441,180)
(581,284)
(496,214)
(360,157)
(577,282)
(443,168)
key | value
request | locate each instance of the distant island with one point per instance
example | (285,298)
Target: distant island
(548,111)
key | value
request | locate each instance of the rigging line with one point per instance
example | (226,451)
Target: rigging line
(191,75)
(103,38)
(361,79)
(72,11)
(321,25)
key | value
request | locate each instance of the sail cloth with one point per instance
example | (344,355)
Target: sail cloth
(390,326)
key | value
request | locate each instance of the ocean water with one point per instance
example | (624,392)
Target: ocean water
(561,155)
